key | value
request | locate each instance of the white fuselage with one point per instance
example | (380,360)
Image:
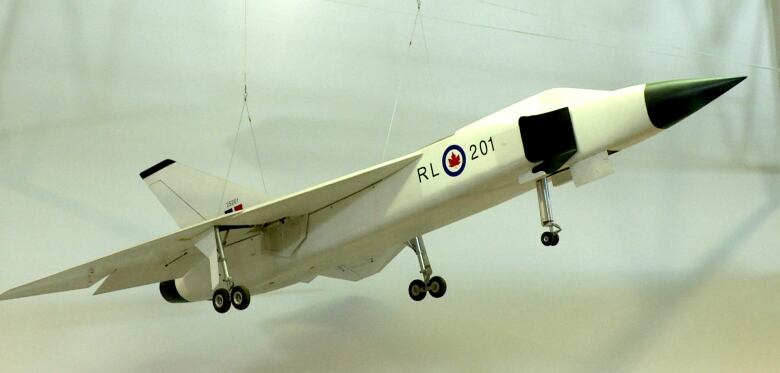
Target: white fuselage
(352,227)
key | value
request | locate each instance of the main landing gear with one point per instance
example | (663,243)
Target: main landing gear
(549,238)
(436,286)
(236,295)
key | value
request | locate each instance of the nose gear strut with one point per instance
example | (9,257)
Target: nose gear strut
(549,238)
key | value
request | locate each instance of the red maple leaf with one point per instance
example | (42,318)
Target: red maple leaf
(454,160)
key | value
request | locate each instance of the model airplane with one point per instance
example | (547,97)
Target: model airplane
(351,227)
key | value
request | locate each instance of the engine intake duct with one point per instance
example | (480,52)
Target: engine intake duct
(548,138)
(170,293)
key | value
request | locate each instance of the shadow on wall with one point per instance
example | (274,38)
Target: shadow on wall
(7,37)
(543,326)
(539,328)
(663,304)
(775,6)
(747,143)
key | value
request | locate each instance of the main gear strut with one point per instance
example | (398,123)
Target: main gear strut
(236,295)
(435,285)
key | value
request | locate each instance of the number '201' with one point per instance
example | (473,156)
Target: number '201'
(482,148)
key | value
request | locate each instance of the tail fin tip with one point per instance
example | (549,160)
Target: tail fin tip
(159,166)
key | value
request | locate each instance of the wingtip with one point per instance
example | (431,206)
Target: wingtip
(8,294)
(154,169)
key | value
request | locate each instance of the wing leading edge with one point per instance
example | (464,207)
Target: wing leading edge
(171,256)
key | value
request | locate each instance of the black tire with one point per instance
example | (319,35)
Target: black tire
(437,287)
(240,297)
(221,300)
(547,238)
(417,290)
(555,239)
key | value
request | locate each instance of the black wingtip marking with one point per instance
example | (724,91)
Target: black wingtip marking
(151,170)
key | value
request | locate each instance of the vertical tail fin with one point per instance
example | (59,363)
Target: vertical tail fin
(191,196)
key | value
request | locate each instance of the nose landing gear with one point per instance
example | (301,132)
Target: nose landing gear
(549,238)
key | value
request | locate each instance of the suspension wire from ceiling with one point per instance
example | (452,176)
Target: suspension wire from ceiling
(681,52)
(431,85)
(244,109)
(401,80)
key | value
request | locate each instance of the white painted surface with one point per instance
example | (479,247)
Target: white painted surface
(670,264)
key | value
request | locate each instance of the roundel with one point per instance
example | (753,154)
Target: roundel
(453,160)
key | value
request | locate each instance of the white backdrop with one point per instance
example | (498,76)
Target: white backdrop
(670,264)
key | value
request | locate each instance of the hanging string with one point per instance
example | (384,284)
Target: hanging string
(249,113)
(257,151)
(244,109)
(431,85)
(245,48)
(400,83)
(230,163)
(681,52)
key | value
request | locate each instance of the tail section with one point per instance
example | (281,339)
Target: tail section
(191,196)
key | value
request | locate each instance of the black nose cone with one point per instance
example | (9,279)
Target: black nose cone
(671,101)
